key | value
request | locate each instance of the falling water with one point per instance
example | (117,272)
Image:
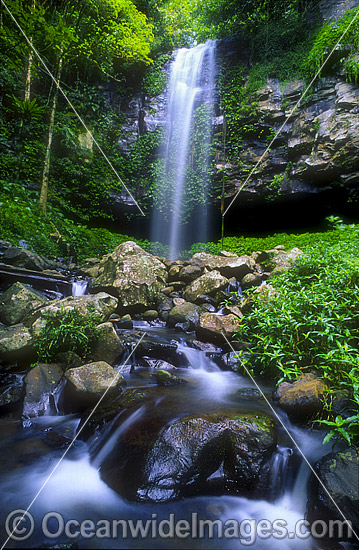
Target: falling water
(183,184)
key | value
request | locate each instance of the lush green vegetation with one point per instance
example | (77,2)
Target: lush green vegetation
(70,332)
(310,322)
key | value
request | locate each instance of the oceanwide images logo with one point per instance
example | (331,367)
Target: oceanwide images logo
(20,525)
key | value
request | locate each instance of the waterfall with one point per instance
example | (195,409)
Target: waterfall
(180,207)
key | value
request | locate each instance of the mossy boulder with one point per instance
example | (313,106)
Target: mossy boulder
(228,266)
(87,384)
(339,473)
(131,274)
(304,398)
(196,455)
(107,346)
(16,344)
(184,313)
(206,285)
(213,327)
(165,378)
(17,302)
(100,306)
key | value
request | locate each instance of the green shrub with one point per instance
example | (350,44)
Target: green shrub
(311,322)
(67,331)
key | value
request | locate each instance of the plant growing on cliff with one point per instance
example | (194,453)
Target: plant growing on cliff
(66,331)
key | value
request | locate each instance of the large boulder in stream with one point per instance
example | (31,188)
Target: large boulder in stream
(213,327)
(339,473)
(304,398)
(196,455)
(87,384)
(206,285)
(17,302)
(101,306)
(16,344)
(131,274)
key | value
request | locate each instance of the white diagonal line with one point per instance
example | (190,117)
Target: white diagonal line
(115,378)
(290,114)
(72,107)
(292,439)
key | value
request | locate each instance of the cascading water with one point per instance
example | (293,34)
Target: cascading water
(75,488)
(182,190)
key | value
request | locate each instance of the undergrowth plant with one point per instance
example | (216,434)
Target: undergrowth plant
(66,332)
(311,323)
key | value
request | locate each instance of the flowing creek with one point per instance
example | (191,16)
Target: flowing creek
(31,450)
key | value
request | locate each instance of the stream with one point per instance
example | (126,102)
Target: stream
(31,450)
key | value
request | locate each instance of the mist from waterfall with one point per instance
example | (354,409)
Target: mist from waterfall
(180,214)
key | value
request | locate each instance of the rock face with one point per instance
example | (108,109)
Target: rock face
(206,285)
(40,384)
(16,344)
(304,398)
(196,455)
(132,275)
(211,327)
(88,383)
(339,473)
(17,302)
(100,305)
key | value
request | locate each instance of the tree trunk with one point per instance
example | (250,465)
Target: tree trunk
(29,65)
(46,170)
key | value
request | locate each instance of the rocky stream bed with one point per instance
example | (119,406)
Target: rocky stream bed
(183,430)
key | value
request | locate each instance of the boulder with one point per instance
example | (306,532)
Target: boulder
(107,346)
(101,306)
(20,257)
(11,392)
(250,280)
(211,327)
(196,455)
(17,302)
(132,275)
(284,260)
(150,315)
(164,305)
(339,472)
(87,384)
(207,284)
(165,378)
(16,344)
(228,266)
(305,398)
(184,313)
(125,322)
(40,384)
(189,273)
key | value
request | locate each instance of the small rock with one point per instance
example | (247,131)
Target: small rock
(250,280)
(164,378)
(125,322)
